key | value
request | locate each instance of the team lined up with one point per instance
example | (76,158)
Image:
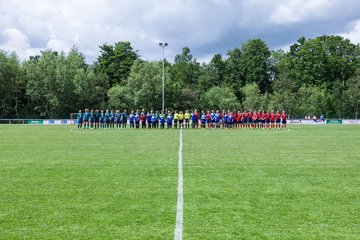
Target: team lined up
(188,119)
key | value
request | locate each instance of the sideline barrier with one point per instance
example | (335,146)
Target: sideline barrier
(351,121)
(328,121)
(73,121)
(334,121)
(34,122)
(38,121)
(304,121)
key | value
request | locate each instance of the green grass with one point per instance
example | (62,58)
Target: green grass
(58,182)
(261,184)
(83,184)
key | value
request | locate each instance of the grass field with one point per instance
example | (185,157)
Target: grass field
(58,182)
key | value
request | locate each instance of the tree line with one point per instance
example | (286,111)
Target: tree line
(316,76)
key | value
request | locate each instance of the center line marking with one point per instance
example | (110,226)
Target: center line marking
(180,198)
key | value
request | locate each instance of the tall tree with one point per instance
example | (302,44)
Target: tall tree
(144,83)
(52,82)
(116,61)
(185,69)
(254,63)
(11,85)
(220,98)
(352,96)
(181,86)
(322,60)
(252,97)
(234,76)
(217,68)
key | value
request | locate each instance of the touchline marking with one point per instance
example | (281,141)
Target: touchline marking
(180,198)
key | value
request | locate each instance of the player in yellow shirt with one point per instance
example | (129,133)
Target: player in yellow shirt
(176,119)
(181,119)
(187,118)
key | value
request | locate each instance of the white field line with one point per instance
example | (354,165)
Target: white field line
(180,198)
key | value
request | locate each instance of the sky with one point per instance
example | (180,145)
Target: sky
(207,27)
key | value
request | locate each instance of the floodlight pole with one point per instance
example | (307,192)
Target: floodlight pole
(163,45)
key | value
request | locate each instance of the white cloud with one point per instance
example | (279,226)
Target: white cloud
(15,39)
(206,26)
(294,11)
(354,34)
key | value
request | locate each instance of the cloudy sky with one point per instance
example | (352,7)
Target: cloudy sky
(207,27)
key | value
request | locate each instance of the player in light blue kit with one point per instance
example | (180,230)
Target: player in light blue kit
(80,119)
(169,120)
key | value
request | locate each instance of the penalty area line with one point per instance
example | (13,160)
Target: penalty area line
(180,196)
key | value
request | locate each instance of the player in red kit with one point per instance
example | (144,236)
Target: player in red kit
(143,120)
(277,119)
(263,119)
(244,119)
(267,120)
(283,119)
(272,119)
(234,117)
(238,119)
(249,117)
(208,121)
(255,119)
(196,119)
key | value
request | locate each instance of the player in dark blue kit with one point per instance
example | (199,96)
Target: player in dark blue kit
(107,119)
(91,118)
(132,119)
(86,118)
(112,119)
(118,118)
(162,120)
(124,118)
(212,118)
(97,118)
(217,119)
(102,119)
(149,118)
(203,119)
(192,119)
(225,120)
(80,119)
(230,120)
(137,119)
(155,120)
(169,120)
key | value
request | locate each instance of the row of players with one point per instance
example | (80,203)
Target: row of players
(154,119)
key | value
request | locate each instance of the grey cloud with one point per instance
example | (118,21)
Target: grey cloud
(206,26)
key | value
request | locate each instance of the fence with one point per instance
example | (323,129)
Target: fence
(38,121)
(73,121)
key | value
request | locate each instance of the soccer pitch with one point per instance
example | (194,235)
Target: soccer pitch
(60,182)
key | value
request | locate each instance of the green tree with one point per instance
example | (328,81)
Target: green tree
(11,85)
(120,97)
(352,96)
(182,82)
(90,88)
(51,82)
(185,69)
(219,98)
(253,100)
(217,69)
(234,76)
(322,60)
(313,100)
(116,61)
(145,84)
(284,95)
(254,63)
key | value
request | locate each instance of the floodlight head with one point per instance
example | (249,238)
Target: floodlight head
(165,44)
(161,44)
